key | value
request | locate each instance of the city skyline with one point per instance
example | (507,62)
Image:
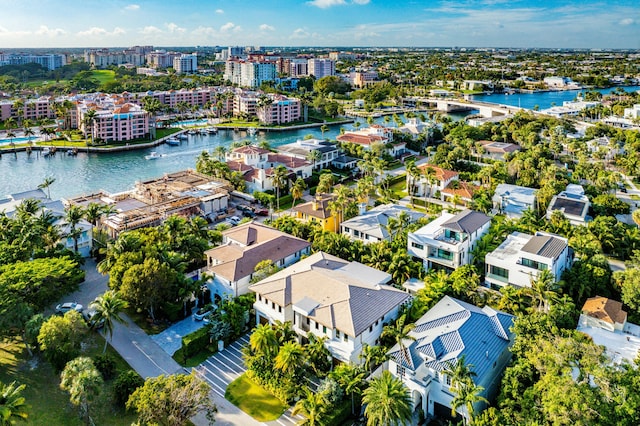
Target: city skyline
(484,23)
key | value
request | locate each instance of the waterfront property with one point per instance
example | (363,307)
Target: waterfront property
(572,203)
(302,148)
(233,263)
(112,119)
(346,302)
(520,258)
(278,109)
(447,241)
(450,331)
(374,135)
(513,200)
(375,225)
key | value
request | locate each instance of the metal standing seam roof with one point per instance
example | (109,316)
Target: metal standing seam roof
(545,246)
(467,221)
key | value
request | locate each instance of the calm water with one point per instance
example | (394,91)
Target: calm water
(542,99)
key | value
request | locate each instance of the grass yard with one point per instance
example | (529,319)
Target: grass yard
(195,360)
(103,76)
(48,404)
(254,400)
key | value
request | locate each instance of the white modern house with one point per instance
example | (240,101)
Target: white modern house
(452,329)
(233,263)
(373,225)
(514,200)
(447,241)
(347,302)
(521,257)
(573,204)
(327,151)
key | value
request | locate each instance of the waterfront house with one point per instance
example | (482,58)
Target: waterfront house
(373,225)
(573,204)
(447,241)
(346,302)
(520,258)
(327,151)
(374,135)
(448,332)
(232,264)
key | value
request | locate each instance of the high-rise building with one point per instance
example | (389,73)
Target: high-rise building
(186,64)
(321,67)
(249,74)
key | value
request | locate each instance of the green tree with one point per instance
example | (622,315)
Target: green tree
(46,184)
(171,400)
(13,406)
(108,308)
(399,332)
(313,406)
(279,179)
(387,400)
(352,380)
(325,183)
(467,395)
(83,381)
(148,284)
(297,190)
(73,216)
(61,337)
(290,359)
(263,341)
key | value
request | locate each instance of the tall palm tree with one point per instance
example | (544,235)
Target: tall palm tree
(263,341)
(93,212)
(108,307)
(460,372)
(313,406)
(13,405)
(388,401)
(324,128)
(297,191)
(314,155)
(73,217)
(48,181)
(290,359)
(373,356)
(351,380)
(467,395)
(399,332)
(279,181)
(88,121)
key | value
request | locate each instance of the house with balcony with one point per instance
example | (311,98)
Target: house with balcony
(432,179)
(447,241)
(452,329)
(521,257)
(327,151)
(373,225)
(572,203)
(346,302)
(232,264)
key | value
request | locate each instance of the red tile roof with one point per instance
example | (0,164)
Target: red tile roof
(360,139)
(440,173)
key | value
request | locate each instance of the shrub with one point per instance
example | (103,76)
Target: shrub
(106,365)
(195,342)
(126,383)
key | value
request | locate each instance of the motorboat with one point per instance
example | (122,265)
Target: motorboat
(173,141)
(46,151)
(154,156)
(191,132)
(212,130)
(182,137)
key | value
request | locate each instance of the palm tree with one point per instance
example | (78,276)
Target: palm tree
(73,216)
(88,122)
(48,181)
(290,358)
(313,406)
(314,155)
(324,128)
(12,404)
(279,180)
(542,290)
(467,395)
(399,332)
(388,401)
(373,356)
(636,217)
(351,380)
(93,212)
(263,340)
(459,372)
(297,191)
(108,307)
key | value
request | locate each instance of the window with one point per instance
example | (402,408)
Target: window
(498,271)
(400,370)
(279,309)
(446,379)
(345,337)
(273,305)
(337,334)
(317,326)
(416,245)
(370,328)
(444,254)
(324,329)
(533,264)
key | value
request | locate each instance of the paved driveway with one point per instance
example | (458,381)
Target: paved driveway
(227,365)
(170,340)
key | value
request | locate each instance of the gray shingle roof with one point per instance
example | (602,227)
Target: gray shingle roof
(467,221)
(545,246)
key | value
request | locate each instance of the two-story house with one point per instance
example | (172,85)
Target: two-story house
(449,331)
(432,179)
(346,302)
(572,203)
(447,241)
(521,257)
(514,200)
(373,225)
(327,151)
(233,263)
(318,211)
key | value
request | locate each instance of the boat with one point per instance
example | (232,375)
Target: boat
(212,130)
(182,137)
(251,131)
(46,151)
(191,132)
(72,152)
(173,141)
(154,156)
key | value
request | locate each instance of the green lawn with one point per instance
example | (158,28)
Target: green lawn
(195,360)
(103,76)
(48,404)
(254,400)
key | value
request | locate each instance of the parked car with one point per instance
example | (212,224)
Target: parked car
(201,313)
(234,219)
(63,308)
(248,213)
(89,317)
(261,212)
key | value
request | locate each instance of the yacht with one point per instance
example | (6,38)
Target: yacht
(46,151)
(173,141)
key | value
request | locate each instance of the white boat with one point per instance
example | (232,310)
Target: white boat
(46,151)
(191,132)
(212,130)
(183,137)
(154,156)
(173,141)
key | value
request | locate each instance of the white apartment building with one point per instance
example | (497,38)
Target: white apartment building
(249,74)
(321,67)
(186,64)
(298,68)
(521,257)
(447,241)
(346,302)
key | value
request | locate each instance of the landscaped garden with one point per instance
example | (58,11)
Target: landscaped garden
(254,400)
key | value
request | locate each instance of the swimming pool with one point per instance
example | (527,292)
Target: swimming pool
(191,123)
(16,140)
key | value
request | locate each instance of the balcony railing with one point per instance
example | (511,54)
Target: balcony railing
(441,236)
(498,278)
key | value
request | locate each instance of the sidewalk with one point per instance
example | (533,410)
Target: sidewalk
(170,340)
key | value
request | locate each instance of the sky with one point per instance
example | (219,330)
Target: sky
(411,23)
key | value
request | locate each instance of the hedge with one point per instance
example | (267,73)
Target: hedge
(195,342)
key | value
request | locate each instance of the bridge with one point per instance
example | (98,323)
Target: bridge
(485,109)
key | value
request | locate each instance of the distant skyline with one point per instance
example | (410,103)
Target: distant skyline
(444,23)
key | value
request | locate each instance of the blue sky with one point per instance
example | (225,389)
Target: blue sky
(472,23)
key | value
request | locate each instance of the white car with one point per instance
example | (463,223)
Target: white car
(63,308)
(201,313)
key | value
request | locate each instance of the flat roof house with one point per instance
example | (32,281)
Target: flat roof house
(514,200)
(521,257)
(372,225)
(347,302)
(233,263)
(452,329)
(447,241)
(573,204)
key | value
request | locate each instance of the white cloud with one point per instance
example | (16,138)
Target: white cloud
(323,4)
(230,26)
(299,33)
(49,32)
(205,31)
(151,30)
(174,28)
(266,27)
(627,21)
(100,32)
(132,7)
(361,2)
(219,11)
(118,31)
